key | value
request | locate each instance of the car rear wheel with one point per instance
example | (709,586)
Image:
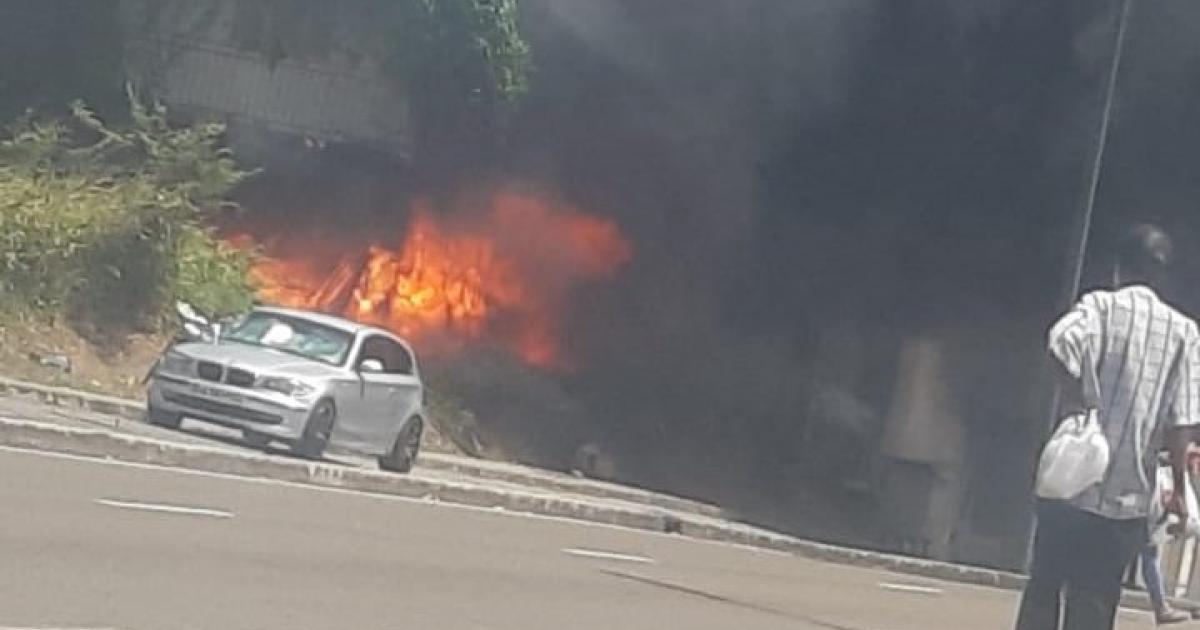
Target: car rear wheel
(317,431)
(404,451)
(161,418)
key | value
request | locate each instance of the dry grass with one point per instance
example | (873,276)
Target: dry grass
(114,368)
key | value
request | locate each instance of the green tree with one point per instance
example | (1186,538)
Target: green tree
(472,47)
(108,225)
(465,64)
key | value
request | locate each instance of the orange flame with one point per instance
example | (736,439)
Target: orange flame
(501,277)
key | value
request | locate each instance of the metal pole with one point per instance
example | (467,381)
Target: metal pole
(1093,187)
(1089,204)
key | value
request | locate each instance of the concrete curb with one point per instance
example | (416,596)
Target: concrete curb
(962,574)
(107,445)
(135,410)
(499,471)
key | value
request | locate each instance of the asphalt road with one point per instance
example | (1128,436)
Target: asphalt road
(90,544)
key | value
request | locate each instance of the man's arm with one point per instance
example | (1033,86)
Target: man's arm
(1185,417)
(1073,341)
(1070,390)
(1178,441)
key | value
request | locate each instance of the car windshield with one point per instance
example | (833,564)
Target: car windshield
(293,335)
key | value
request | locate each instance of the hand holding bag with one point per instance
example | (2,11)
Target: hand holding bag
(1164,520)
(1076,457)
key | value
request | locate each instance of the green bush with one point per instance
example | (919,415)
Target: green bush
(211,274)
(106,225)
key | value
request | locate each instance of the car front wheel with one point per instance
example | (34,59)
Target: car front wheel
(161,418)
(404,451)
(317,431)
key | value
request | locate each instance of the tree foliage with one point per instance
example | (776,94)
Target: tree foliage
(462,63)
(465,63)
(475,45)
(107,224)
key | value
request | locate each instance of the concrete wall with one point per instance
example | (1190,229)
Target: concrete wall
(196,56)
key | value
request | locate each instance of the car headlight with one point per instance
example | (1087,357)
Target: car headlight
(175,363)
(286,386)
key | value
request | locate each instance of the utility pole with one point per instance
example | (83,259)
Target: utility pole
(1083,235)
(1093,184)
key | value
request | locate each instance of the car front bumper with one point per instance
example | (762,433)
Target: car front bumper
(262,412)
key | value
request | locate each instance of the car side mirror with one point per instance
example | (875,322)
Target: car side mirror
(370,366)
(190,314)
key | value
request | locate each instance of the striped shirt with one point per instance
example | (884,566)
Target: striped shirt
(1148,368)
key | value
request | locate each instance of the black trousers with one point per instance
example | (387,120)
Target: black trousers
(1081,557)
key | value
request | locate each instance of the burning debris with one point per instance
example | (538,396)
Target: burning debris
(499,277)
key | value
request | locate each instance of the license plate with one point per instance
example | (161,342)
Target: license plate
(213,392)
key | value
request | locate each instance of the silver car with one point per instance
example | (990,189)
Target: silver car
(301,378)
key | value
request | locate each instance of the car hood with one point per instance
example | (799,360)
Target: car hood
(256,359)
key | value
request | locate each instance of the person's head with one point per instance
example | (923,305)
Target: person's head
(1143,256)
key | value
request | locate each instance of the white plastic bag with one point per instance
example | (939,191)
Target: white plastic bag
(1075,458)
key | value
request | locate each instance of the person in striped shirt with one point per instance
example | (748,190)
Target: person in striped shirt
(1147,362)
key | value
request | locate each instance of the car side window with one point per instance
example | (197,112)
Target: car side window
(402,359)
(394,357)
(371,349)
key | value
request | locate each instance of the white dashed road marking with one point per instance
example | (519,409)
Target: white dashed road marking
(910,588)
(607,555)
(164,509)
(424,502)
